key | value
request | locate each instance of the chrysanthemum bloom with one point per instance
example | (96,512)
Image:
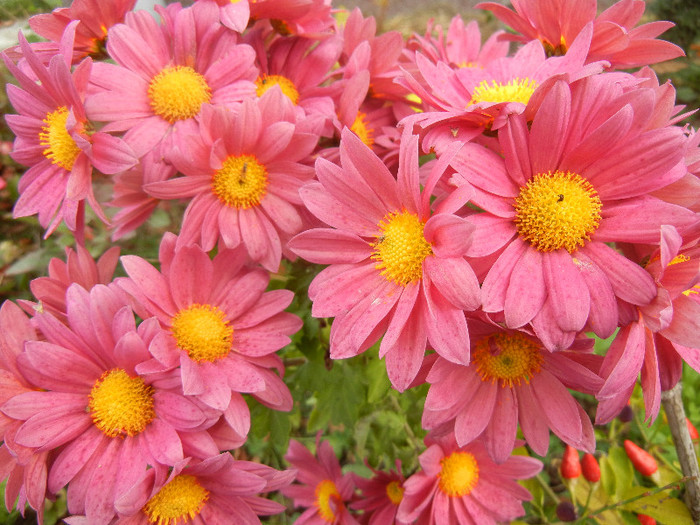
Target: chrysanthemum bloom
(151,95)
(300,67)
(378,55)
(79,267)
(243,173)
(212,491)
(128,196)
(396,267)
(311,18)
(322,489)
(487,96)
(615,37)
(461,46)
(381,496)
(657,338)
(463,485)
(95,17)
(54,138)
(512,378)
(575,179)
(222,327)
(106,422)
(23,470)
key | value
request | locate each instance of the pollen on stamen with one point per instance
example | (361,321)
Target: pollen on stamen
(202,331)
(241,182)
(362,129)
(557,210)
(179,501)
(459,474)
(177,93)
(508,359)
(515,90)
(394,492)
(121,405)
(327,500)
(265,82)
(61,149)
(401,248)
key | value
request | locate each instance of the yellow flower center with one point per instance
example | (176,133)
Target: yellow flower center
(203,332)
(120,404)
(177,93)
(61,149)
(508,358)
(241,182)
(459,474)
(265,82)
(394,491)
(557,210)
(180,500)
(401,248)
(361,129)
(680,258)
(327,500)
(516,90)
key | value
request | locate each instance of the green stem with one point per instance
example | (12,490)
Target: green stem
(547,488)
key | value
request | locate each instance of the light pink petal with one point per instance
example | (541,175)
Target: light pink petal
(472,421)
(448,235)
(404,358)
(177,410)
(190,277)
(495,285)
(329,246)
(602,317)
(339,294)
(527,290)
(549,129)
(163,442)
(456,281)
(558,406)
(568,293)
(334,213)
(447,329)
(684,329)
(501,430)
(624,360)
(534,427)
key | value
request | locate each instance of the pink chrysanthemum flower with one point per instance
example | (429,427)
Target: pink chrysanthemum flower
(79,267)
(23,470)
(615,37)
(223,329)
(311,18)
(299,67)
(54,138)
(463,485)
(381,496)
(485,97)
(322,489)
(96,17)
(396,267)
(513,379)
(461,46)
(106,422)
(656,338)
(129,197)
(151,95)
(575,179)
(243,173)
(213,491)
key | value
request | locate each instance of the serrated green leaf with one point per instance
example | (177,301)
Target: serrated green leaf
(660,506)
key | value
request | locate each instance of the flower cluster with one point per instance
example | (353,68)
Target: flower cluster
(483,212)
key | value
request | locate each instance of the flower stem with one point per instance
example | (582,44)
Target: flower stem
(673,405)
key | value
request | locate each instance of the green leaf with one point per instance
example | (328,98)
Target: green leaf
(622,470)
(660,506)
(377,381)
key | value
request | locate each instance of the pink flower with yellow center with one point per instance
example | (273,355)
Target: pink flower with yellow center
(56,140)
(563,187)
(212,491)
(513,379)
(242,173)
(104,423)
(381,496)
(321,488)
(309,18)
(656,339)
(151,95)
(396,266)
(615,38)
(463,485)
(222,328)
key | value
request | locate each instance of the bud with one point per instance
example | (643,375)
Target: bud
(566,511)
(692,430)
(590,468)
(643,462)
(646,520)
(570,464)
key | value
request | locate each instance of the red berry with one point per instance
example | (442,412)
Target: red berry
(643,462)
(566,511)
(692,430)
(591,470)
(646,520)
(570,464)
